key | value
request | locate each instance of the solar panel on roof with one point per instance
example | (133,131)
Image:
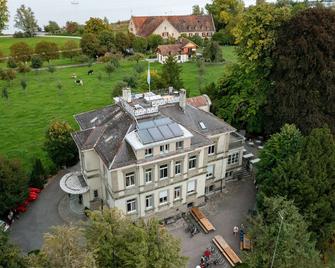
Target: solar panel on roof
(167,133)
(162,121)
(176,130)
(145,136)
(145,124)
(155,134)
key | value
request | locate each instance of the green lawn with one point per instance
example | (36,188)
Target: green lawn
(25,116)
(6,42)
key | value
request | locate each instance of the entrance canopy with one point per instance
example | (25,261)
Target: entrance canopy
(73,183)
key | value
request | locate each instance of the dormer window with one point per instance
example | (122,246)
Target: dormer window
(164,148)
(148,152)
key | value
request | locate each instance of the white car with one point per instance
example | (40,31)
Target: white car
(3,226)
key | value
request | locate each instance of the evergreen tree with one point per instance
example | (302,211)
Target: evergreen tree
(171,73)
(37,175)
(212,52)
(10,255)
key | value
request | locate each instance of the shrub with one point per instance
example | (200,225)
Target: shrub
(8,74)
(11,63)
(20,51)
(36,62)
(19,35)
(51,69)
(23,68)
(81,58)
(117,89)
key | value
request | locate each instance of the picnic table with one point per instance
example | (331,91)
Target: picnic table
(200,217)
(226,250)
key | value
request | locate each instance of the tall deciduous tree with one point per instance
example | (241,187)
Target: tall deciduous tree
(171,73)
(59,144)
(4,15)
(118,242)
(295,247)
(212,52)
(96,25)
(90,45)
(52,27)
(196,10)
(25,20)
(20,51)
(47,50)
(304,88)
(13,184)
(107,39)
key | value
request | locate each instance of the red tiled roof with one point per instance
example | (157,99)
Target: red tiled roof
(175,49)
(198,101)
(146,25)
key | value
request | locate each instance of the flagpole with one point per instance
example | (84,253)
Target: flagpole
(148,77)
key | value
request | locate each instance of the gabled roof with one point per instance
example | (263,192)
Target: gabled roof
(175,49)
(104,130)
(146,25)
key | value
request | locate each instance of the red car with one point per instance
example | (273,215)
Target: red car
(34,190)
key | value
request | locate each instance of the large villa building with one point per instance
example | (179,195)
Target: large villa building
(172,26)
(152,154)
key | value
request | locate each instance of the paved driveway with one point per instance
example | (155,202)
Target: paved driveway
(224,210)
(27,232)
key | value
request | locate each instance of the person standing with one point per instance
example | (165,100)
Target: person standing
(235,230)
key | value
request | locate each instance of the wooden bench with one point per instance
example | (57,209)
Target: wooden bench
(226,250)
(200,217)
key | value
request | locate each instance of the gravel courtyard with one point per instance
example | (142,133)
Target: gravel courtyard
(224,211)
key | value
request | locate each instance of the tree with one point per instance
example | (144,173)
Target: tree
(295,247)
(59,144)
(196,10)
(304,90)
(90,45)
(226,14)
(95,26)
(4,15)
(25,20)
(70,49)
(106,39)
(171,73)
(140,44)
(7,75)
(38,175)
(154,40)
(4,93)
(52,27)
(10,255)
(64,246)
(71,27)
(122,41)
(20,51)
(212,52)
(201,72)
(117,89)
(13,184)
(47,50)
(109,68)
(118,242)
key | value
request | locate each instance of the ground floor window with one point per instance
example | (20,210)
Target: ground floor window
(131,205)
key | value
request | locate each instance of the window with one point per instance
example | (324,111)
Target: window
(192,162)
(233,158)
(177,168)
(179,145)
(148,152)
(163,171)
(177,193)
(131,205)
(211,150)
(191,187)
(202,125)
(149,201)
(210,171)
(164,148)
(228,174)
(130,179)
(95,193)
(148,175)
(163,196)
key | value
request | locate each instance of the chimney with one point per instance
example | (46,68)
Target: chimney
(182,99)
(170,90)
(126,94)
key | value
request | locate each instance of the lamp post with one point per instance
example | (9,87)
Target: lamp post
(274,253)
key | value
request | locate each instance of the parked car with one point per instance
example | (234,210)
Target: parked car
(4,226)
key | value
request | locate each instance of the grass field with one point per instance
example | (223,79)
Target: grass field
(25,116)
(6,42)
